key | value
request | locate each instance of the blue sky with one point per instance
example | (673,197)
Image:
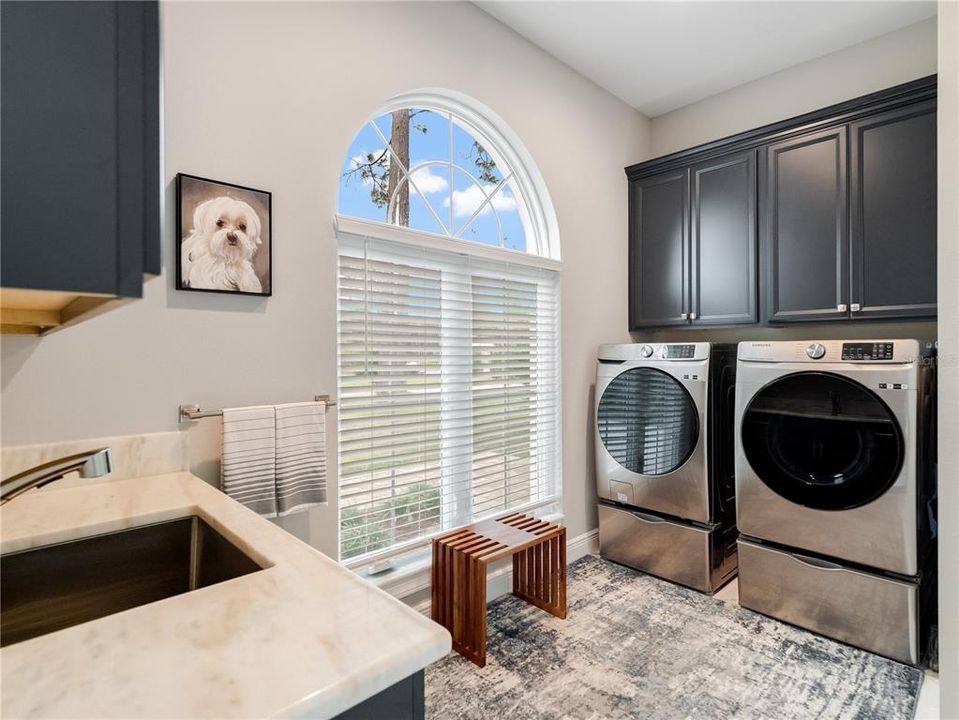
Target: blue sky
(434,182)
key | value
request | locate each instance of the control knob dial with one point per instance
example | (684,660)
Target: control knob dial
(816,350)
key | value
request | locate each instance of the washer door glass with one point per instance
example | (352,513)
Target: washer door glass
(647,421)
(822,440)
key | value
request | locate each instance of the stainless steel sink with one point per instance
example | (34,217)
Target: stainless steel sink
(56,586)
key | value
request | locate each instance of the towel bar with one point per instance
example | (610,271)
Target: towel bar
(193,412)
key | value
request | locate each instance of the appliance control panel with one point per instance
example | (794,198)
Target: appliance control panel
(867,351)
(654,352)
(899,350)
(679,352)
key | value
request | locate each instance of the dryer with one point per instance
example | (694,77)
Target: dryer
(664,463)
(834,493)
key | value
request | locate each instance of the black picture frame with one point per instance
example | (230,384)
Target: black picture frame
(200,189)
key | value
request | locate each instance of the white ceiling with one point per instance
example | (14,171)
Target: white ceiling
(659,56)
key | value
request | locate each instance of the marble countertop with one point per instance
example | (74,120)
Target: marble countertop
(303,637)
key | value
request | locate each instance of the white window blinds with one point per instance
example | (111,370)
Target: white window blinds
(448,392)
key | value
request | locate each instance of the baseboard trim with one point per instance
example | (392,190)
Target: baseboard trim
(582,545)
(499,580)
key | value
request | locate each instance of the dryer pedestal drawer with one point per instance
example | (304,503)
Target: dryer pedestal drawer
(686,554)
(873,612)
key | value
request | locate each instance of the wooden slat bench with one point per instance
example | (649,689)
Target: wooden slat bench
(460,559)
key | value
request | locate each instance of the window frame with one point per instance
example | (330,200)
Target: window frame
(542,239)
(543,252)
(553,501)
(346,225)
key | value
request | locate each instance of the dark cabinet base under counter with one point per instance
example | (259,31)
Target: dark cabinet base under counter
(402,701)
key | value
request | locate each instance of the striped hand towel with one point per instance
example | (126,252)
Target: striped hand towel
(300,456)
(249,457)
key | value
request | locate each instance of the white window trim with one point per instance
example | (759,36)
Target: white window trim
(362,228)
(529,183)
(407,552)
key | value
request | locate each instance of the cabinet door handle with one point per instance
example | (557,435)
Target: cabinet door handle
(692,316)
(683,316)
(841,307)
(855,307)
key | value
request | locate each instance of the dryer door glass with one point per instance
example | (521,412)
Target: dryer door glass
(647,421)
(822,440)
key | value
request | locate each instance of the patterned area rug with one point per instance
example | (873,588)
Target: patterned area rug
(634,646)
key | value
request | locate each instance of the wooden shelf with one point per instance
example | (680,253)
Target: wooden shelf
(39,312)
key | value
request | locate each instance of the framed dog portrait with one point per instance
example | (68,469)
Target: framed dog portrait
(224,241)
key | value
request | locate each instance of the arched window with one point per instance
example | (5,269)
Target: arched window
(448,327)
(432,163)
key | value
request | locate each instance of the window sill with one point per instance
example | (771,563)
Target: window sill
(410,573)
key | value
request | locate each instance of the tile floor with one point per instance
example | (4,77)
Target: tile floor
(928,706)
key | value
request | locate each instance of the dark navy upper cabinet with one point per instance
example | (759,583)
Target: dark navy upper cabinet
(806,232)
(893,213)
(659,250)
(724,252)
(693,254)
(829,216)
(81,156)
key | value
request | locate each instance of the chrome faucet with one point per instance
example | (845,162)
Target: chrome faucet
(90,464)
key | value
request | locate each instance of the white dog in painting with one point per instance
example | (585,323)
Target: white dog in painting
(218,253)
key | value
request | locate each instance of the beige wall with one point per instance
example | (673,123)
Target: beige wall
(888,60)
(948,116)
(269,95)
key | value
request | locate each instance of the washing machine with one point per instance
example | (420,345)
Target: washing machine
(834,489)
(664,460)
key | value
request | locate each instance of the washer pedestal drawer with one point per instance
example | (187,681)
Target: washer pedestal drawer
(871,611)
(700,558)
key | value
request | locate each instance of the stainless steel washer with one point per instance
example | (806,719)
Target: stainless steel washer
(664,473)
(831,486)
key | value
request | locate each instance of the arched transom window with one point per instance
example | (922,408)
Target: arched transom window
(430,168)
(447,328)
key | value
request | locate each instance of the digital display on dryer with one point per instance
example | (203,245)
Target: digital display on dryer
(680,352)
(867,351)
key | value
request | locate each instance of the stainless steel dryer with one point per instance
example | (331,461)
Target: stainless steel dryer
(832,488)
(664,465)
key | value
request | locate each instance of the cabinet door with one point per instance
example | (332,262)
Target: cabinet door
(138,142)
(893,214)
(658,250)
(80,146)
(403,701)
(805,233)
(724,253)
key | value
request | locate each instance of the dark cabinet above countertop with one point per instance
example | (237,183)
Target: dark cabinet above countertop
(830,216)
(81,158)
